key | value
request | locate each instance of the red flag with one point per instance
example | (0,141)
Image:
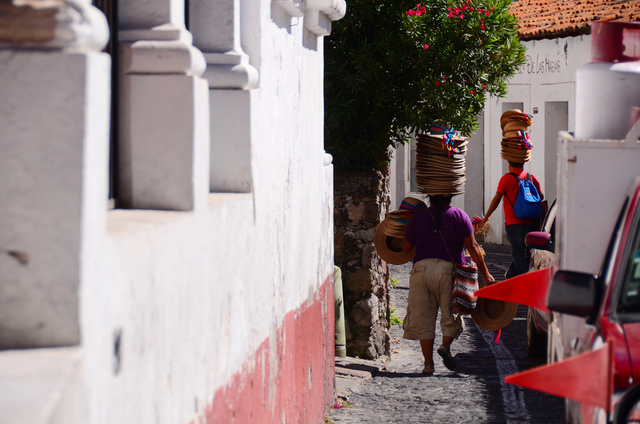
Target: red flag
(526,289)
(586,378)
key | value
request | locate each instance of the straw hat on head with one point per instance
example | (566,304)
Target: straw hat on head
(514,126)
(514,115)
(440,164)
(389,248)
(516,145)
(517,157)
(511,113)
(515,150)
(513,135)
(493,314)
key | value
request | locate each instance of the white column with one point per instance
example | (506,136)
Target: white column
(215,25)
(54,138)
(163,137)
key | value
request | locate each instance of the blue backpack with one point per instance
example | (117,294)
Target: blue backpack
(528,203)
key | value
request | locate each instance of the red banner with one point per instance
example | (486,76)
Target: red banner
(586,378)
(526,289)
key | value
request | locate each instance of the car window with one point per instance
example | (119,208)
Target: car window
(630,291)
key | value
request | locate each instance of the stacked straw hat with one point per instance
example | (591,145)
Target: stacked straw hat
(440,163)
(390,232)
(516,144)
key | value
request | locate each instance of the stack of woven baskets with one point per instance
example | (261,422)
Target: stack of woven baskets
(516,144)
(440,164)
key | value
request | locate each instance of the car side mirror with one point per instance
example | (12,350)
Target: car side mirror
(574,293)
(539,240)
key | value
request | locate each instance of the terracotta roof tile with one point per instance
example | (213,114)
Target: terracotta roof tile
(563,18)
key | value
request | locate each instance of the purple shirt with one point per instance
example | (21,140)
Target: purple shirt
(455,226)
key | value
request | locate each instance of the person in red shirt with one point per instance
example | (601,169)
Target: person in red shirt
(517,228)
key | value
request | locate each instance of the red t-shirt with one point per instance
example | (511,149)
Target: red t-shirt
(508,187)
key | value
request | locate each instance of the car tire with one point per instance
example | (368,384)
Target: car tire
(536,342)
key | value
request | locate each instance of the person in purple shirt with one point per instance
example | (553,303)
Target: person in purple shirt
(440,234)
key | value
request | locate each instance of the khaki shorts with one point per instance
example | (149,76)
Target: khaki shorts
(430,288)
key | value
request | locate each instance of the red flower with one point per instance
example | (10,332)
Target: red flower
(437,82)
(482,26)
(487,13)
(426,46)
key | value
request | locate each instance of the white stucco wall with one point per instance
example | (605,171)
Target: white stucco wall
(195,293)
(172,304)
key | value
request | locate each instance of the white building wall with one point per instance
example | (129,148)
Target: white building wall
(547,76)
(179,308)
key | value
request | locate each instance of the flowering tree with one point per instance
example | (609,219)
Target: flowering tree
(393,68)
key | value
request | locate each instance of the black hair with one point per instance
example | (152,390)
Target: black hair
(437,202)
(516,165)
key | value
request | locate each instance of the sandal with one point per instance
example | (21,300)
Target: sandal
(427,371)
(448,360)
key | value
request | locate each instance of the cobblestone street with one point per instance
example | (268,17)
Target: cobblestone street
(475,393)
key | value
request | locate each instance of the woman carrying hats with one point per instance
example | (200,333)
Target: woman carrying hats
(516,150)
(516,228)
(439,234)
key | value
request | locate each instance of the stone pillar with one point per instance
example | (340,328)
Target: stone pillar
(54,138)
(361,202)
(163,150)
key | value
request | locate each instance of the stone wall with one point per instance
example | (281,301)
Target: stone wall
(361,201)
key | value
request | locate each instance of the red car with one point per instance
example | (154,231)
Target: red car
(610,303)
